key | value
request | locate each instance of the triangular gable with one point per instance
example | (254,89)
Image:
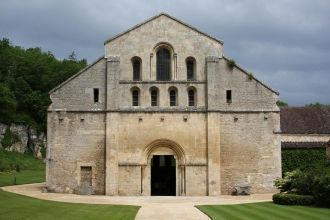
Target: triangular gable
(75,75)
(155,17)
(248,74)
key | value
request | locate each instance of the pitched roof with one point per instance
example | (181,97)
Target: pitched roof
(305,120)
(293,145)
(157,16)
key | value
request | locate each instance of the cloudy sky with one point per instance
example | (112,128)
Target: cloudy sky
(285,43)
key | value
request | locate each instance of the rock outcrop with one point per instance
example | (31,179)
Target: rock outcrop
(22,138)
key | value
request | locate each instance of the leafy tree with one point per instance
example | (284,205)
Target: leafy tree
(7,103)
(281,104)
(317,105)
(26,77)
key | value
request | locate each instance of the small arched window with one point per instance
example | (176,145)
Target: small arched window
(136,62)
(135,97)
(191,97)
(154,96)
(190,63)
(173,97)
(163,64)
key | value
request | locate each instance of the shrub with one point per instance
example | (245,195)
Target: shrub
(250,76)
(292,199)
(231,63)
(304,159)
(321,190)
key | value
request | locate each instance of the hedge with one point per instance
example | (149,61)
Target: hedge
(293,199)
(302,159)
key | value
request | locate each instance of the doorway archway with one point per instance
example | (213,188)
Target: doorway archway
(163,169)
(163,178)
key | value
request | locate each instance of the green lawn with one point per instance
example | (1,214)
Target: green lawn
(264,211)
(13,206)
(22,177)
(31,170)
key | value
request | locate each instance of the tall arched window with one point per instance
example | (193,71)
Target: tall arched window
(135,97)
(190,64)
(136,62)
(173,97)
(163,64)
(191,97)
(154,96)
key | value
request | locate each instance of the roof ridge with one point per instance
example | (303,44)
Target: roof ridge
(157,16)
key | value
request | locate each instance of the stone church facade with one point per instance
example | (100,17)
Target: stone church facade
(163,112)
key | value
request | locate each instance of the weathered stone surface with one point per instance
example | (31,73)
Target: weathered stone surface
(242,190)
(27,139)
(216,144)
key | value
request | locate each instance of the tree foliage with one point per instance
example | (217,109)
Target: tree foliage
(281,104)
(303,159)
(317,105)
(26,77)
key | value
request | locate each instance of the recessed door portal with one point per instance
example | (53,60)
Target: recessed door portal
(163,175)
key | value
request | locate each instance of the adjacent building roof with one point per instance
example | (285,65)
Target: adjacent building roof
(305,120)
(293,145)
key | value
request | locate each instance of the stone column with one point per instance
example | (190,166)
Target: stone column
(112,127)
(213,127)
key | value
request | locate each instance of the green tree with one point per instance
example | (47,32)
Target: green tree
(26,77)
(7,103)
(281,104)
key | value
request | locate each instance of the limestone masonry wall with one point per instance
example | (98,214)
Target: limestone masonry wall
(216,144)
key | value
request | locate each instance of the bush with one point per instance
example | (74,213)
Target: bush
(297,182)
(303,159)
(314,182)
(292,199)
(321,190)
(231,63)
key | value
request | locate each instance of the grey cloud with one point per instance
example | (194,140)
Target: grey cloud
(285,43)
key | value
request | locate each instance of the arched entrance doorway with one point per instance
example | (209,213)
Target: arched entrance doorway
(163,172)
(163,178)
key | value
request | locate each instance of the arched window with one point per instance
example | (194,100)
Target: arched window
(191,97)
(135,97)
(163,64)
(136,62)
(173,97)
(154,96)
(190,64)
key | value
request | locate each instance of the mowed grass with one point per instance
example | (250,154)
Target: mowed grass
(22,177)
(13,206)
(31,170)
(264,211)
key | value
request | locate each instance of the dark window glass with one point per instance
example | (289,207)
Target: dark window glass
(135,97)
(190,70)
(136,70)
(163,65)
(191,97)
(96,95)
(172,98)
(228,96)
(154,98)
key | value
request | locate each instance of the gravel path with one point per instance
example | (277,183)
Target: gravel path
(155,207)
